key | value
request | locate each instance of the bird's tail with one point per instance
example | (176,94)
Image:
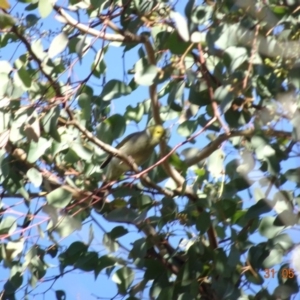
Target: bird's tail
(101,196)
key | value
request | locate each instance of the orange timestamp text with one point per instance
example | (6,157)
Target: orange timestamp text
(285,273)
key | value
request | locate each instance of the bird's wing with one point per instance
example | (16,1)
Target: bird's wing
(133,136)
(106,162)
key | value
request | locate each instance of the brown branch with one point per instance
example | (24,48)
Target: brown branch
(253,51)
(155,105)
(52,82)
(130,38)
(116,152)
(210,90)
(174,174)
(214,145)
(176,147)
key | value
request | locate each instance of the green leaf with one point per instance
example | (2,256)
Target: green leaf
(175,44)
(123,278)
(294,76)
(32,128)
(104,262)
(87,262)
(224,96)
(15,248)
(284,291)
(84,101)
(5,67)
(24,77)
(282,240)
(117,125)
(235,118)
(139,249)
(189,8)
(187,128)
(201,14)
(199,94)
(91,234)
(58,44)
(15,280)
(274,258)
(293,175)
(203,222)
(286,218)
(123,214)
(140,202)
(181,25)
(73,253)
(137,288)
(145,74)
(166,293)
(99,67)
(255,279)
(257,254)
(36,150)
(45,8)
(134,113)
(31,6)
(6,21)
(83,151)
(8,225)
(169,209)
(37,48)
(117,232)
(234,256)
(65,225)
(153,268)
(76,44)
(59,198)
(31,20)
(237,56)
(60,295)
(223,36)
(226,208)
(215,163)
(115,89)
(295,121)
(175,95)
(261,207)
(35,177)
(237,184)
(80,47)
(110,243)
(268,229)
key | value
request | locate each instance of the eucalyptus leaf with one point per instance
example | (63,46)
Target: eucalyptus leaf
(59,198)
(58,44)
(114,89)
(45,8)
(35,177)
(36,150)
(145,74)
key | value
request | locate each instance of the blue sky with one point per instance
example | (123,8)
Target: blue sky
(81,285)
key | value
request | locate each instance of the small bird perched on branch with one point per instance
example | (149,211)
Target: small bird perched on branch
(138,146)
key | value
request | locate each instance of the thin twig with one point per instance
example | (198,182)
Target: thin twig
(210,90)
(253,51)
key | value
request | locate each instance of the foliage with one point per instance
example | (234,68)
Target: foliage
(210,218)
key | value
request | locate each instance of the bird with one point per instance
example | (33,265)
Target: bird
(138,146)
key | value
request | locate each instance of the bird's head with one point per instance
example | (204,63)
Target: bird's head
(156,132)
